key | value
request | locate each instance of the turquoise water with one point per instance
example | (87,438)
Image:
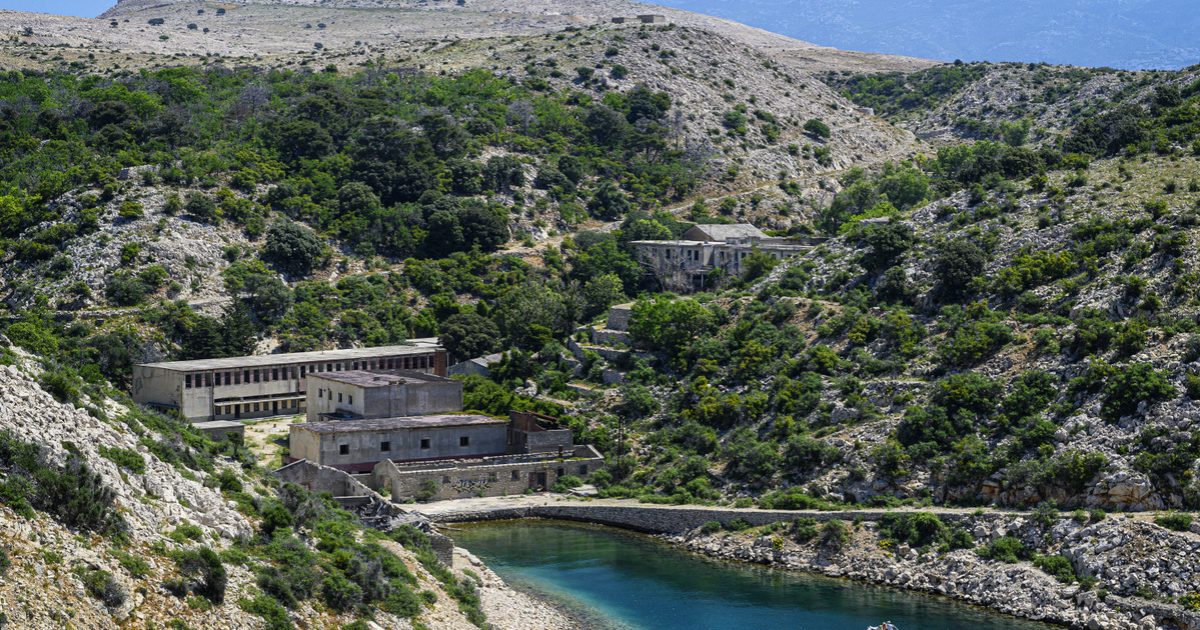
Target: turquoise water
(617,579)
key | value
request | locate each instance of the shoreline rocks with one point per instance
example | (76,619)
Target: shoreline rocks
(1109,551)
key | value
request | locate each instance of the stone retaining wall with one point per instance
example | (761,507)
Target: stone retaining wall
(654,519)
(489,477)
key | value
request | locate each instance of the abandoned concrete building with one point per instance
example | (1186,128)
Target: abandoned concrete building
(357,445)
(685,265)
(399,432)
(268,385)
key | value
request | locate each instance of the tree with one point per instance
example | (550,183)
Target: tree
(669,325)
(533,314)
(887,243)
(482,226)
(502,173)
(905,186)
(601,292)
(606,126)
(298,139)
(291,248)
(749,458)
(201,206)
(609,202)
(469,335)
(956,264)
(758,264)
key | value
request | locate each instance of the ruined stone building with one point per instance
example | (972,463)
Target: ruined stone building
(686,264)
(405,435)
(239,388)
(358,445)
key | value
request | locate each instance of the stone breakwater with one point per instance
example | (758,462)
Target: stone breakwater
(1129,559)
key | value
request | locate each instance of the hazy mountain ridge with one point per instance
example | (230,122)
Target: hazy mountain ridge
(1132,34)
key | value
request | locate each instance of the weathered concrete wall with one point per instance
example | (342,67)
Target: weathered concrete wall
(365,448)
(417,398)
(327,396)
(618,317)
(323,479)
(460,480)
(606,337)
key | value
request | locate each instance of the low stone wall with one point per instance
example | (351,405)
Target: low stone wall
(466,479)
(606,337)
(665,519)
(318,479)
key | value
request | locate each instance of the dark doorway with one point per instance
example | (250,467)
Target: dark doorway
(537,481)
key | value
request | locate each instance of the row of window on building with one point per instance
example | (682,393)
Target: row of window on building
(273,406)
(321,391)
(386,446)
(291,373)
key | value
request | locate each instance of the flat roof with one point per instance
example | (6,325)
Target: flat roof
(219,424)
(762,243)
(404,422)
(364,378)
(678,243)
(414,346)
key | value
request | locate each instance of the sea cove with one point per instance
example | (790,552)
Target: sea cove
(624,580)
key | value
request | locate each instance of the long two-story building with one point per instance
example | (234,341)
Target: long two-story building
(262,386)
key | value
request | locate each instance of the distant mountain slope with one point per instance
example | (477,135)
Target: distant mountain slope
(1134,34)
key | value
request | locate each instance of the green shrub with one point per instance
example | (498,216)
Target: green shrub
(275,616)
(103,586)
(710,527)
(792,499)
(738,525)
(202,572)
(339,593)
(566,483)
(835,534)
(1131,386)
(137,566)
(130,209)
(1006,549)
(1176,521)
(185,532)
(1057,566)
(5,561)
(804,529)
(71,492)
(817,128)
(916,529)
(126,458)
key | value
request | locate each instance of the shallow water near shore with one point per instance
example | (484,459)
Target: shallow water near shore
(620,580)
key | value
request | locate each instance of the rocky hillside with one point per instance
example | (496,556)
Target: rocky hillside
(111,515)
(1009,102)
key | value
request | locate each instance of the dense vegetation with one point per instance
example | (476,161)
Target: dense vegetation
(920,348)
